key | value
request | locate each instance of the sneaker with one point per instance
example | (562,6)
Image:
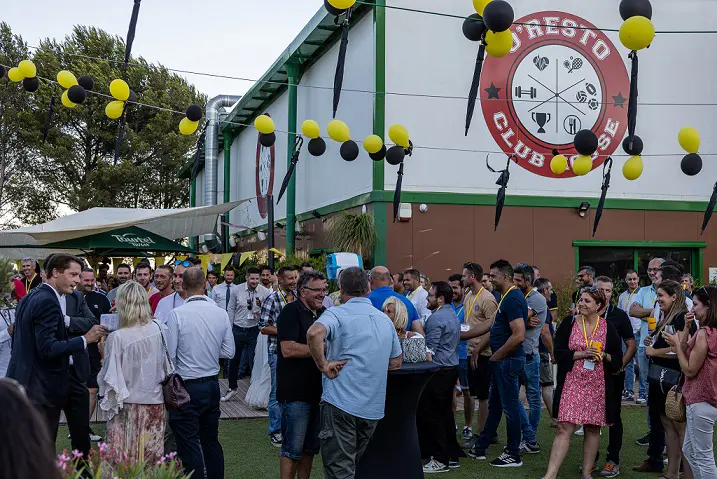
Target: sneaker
(94,437)
(507,460)
(276,439)
(628,397)
(641,400)
(529,448)
(454,464)
(580,432)
(229,395)
(610,470)
(646,466)
(435,466)
(467,433)
(644,441)
(479,454)
(471,442)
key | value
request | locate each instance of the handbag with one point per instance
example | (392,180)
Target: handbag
(665,376)
(175,392)
(675,404)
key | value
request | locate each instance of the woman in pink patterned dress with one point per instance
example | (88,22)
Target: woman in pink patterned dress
(135,364)
(588,350)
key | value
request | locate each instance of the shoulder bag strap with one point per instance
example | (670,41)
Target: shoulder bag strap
(164,344)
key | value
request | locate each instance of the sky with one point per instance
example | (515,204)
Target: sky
(229,37)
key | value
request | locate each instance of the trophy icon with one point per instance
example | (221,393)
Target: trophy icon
(541,119)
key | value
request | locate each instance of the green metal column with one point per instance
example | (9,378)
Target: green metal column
(192,204)
(228,137)
(379,128)
(292,72)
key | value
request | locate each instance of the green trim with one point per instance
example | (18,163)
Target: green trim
(227,185)
(192,204)
(698,266)
(639,244)
(576,260)
(379,253)
(380,218)
(294,76)
(635,260)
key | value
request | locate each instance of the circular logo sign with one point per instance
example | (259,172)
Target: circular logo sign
(265,160)
(561,76)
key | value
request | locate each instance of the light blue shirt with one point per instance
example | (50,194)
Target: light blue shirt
(443,333)
(366,338)
(646,297)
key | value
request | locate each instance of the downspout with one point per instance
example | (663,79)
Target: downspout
(228,138)
(292,71)
(192,204)
(211,148)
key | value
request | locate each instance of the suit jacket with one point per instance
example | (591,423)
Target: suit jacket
(81,320)
(41,348)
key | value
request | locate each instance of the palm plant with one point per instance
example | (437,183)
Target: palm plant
(353,233)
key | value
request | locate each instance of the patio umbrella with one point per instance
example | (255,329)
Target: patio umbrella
(294,160)
(473,94)
(339,75)
(632,103)
(710,209)
(399,182)
(503,183)
(606,169)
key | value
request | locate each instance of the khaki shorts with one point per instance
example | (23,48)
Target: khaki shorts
(546,370)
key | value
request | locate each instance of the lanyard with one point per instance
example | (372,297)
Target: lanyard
(629,297)
(529,293)
(199,298)
(585,334)
(412,294)
(458,312)
(473,303)
(283,297)
(438,309)
(506,294)
(28,284)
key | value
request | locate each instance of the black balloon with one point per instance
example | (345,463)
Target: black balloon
(379,155)
(267,140)
(194,112)
(317,147)
(635,8)
(395,155)
(349,150)
(86,82)
(691,164)
(473,27)
(132,97)
(331,9)
(76,94)
(2,71)
(31,84)
(637,145)
(586,142)
(498,15)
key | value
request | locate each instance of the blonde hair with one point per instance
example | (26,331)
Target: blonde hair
(132,305)
(400,320)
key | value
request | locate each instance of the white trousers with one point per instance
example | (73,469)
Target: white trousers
(698,448)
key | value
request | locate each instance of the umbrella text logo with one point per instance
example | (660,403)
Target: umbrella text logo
(134,240)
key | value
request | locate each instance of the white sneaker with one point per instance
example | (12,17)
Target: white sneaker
(95,438)
(230,394)
(580,432)
(467,433)
(434,466)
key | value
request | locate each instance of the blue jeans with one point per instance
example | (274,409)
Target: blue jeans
(300,427)
(532,393)
(243,361)
(503,398)
(629,385)
(196,430)
(273,406)
(644,364)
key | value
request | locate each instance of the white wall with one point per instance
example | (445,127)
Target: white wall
(428,55)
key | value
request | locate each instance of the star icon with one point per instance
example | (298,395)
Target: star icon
(493,91)
(619,100)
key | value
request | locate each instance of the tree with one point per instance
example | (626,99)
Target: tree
(76,166)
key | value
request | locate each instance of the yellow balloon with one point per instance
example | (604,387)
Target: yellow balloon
(14,74)
(689,139)
(479,5)
(637,33)
(632,169)
(559,164)
(66,100)
(372,144)
(119,89)
(342,4)
(28,69)
(582,165)
(338,131)
(310,129)
(399,135)
(187,126)
(498,44)
(114,109)
(66,79)
(264,124)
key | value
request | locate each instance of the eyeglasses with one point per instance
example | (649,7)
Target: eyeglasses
(317,290)
(184,263)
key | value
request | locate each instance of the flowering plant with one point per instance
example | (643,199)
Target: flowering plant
(102,464)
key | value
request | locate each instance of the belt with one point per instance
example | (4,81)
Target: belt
(446,368)
(529,357)
(243,328)
(202,380)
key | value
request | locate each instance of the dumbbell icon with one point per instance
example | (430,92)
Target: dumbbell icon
(531,92)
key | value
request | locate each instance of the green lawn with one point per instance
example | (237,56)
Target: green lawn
(249,455)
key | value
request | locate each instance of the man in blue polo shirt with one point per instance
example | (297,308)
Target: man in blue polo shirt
(381,290)
(507,334)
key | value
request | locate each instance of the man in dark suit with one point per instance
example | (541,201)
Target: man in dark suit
(42,347)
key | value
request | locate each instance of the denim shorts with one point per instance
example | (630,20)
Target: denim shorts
(463,373)
(300,427)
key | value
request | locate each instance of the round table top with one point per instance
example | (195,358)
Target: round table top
(417,368)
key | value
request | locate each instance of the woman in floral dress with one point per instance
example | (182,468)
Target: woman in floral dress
(588,350)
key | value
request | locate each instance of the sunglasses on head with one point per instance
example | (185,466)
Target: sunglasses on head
(472,267)
(184,263)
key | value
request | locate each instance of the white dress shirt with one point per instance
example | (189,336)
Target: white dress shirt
(63,306)
(7,318)
(199,334)
(239,312)
(419,298)
(168,303)
(220,292)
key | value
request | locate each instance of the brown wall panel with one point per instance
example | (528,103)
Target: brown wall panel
(512,241)
(399,240)
(672,225)
(627,225)
(443,239)
(555,229)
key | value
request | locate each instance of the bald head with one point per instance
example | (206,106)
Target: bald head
(193,281)
(380,276)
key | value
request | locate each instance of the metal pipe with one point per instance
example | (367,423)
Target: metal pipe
(228,137)
(192,204)
(270,230)
(211,148)
(292,72)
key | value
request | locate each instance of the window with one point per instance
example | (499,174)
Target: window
(611,262)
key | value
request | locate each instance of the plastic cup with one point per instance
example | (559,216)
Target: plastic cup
(651,324)
(598,345)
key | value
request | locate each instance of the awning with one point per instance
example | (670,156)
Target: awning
(123,240)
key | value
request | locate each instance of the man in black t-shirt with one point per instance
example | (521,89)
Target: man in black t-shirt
(298,380)
(621,321)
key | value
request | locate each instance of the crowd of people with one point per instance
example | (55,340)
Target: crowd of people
(489,334)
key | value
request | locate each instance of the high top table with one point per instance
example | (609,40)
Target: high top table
(394,450)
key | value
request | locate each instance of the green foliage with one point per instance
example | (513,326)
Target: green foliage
(353,233)
(104,464)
